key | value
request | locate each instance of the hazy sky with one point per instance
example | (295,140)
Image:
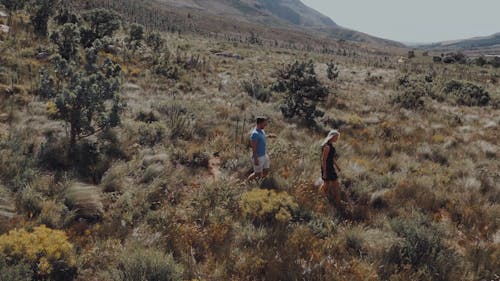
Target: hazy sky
(421,21)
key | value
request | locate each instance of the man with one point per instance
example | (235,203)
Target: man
(260,159)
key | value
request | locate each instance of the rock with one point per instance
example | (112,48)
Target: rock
(4,28)
(3,14)
(42,56)
(131,87)
(4,117)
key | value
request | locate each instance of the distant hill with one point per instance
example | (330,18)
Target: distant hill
(489,44)
(289,14)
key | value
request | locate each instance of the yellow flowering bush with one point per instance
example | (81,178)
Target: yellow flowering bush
(51,108)
(48,250)
(267,206)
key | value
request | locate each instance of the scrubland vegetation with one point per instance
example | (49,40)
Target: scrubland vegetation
(124,157)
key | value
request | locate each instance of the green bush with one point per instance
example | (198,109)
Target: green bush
(332,71)
(411,91)
(14,272)
(466,93)
(17,167)
(147,265)
(256,89)
(152,133)
(421,248)
(302,91)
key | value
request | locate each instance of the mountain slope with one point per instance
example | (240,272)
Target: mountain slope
(488,44)
(289,14)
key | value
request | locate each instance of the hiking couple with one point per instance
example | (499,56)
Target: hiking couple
(329,166)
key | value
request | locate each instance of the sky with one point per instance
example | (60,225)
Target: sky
(414,21)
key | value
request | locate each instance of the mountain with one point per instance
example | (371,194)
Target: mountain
(281,14)
(488,44)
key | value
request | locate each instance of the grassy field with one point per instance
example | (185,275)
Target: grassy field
(163,195)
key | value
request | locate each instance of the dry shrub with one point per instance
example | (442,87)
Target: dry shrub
(138,263)
(52,214)
(85,200)
(421,250)
(485,261)
(114,179)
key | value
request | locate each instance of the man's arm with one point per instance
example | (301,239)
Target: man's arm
(254,153)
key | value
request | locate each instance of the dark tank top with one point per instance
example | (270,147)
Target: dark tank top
(330,170)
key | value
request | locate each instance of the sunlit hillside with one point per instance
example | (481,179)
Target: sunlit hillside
(124,155)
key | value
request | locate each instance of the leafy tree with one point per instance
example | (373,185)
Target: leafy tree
(136,32)
(136,36)
(46,89)
(332,71)
(101,22)
(86,99)
(66,16)
(302,91)
(67,39)
(40,14)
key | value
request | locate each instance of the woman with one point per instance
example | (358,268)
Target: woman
(328,165)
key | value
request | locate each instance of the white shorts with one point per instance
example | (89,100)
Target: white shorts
(264,163)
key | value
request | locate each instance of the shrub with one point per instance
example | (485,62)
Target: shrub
(16,161)
(152,133)
(256,89)
(409,98)
(267,206)
(155,41)
(48,251)
(41,12)
(466,93)
(332,71)
(302,91)
(85,200)
(179,120)
(102,23)
(14,272)
(485,261)
(148,265)
(30,201)
(421,248)
(411,91)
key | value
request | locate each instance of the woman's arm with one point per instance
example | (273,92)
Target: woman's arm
(336,165)
(324,156)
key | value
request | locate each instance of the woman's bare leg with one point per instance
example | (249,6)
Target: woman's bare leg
(334,189)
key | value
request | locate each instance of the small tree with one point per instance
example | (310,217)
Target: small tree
(86,99)
(135,36)
(332,71)
(136,32)
(155,41)
(66,16)
(67,39)
(101,22)
(40,14)
(302,91)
